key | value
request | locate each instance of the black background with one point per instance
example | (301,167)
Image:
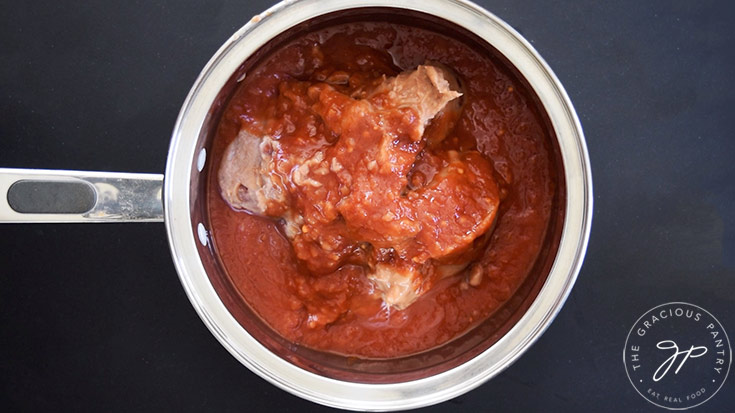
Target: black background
(93,317)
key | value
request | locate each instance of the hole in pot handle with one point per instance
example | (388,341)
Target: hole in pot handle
(38,195)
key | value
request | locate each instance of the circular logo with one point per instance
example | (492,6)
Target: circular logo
(677,355)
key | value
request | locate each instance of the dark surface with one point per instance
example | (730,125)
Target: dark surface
(93,317)
(49,197)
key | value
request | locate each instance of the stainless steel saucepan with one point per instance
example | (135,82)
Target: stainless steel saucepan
(177,198)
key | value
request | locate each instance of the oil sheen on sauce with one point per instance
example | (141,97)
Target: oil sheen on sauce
(497,119)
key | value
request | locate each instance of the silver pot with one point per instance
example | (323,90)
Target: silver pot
(178,199)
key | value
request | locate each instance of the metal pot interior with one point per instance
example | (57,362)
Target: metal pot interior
(334,366)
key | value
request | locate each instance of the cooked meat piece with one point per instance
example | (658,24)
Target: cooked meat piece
(338,198)
(244,175)
(453,211)
(426,90)
(445,121)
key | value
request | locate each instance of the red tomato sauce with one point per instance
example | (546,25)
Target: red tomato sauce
(498,120)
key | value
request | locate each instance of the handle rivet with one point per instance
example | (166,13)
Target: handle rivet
(201,159)
(202,233)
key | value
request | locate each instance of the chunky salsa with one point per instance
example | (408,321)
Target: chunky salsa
(379,189)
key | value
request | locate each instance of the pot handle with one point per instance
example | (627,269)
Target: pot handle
(45,196)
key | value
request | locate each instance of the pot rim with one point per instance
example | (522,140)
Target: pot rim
(186,159)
